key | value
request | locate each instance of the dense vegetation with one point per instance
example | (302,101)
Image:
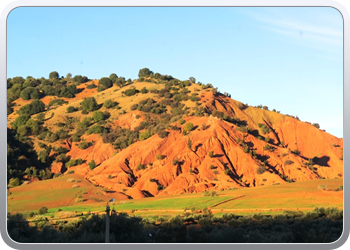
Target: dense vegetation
(319,226)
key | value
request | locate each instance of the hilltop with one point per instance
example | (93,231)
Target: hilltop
(158,135)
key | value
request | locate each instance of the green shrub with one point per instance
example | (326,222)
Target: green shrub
(189,143)
(92,164)
(163,133)
(14,182)
(141,166)
(131,92)
(84,145)
(98,116)
(43,210)
(105,82)
(32,108)
(261,170)
(41,145)
(288,162)
(211,154)
(175,162)
(270,148)
(74,162)
(159,157)
(144,90)
(316,125)
(70,109)
(188,126)
(109,104)
(181,121)
(145,72)
(264,128)
(55,102)
(20,120)
(54,75)
(121,81)
(29,93)
(134,107)
(89,104)
(297,152)
(144,135)
(91,86)
(96,129)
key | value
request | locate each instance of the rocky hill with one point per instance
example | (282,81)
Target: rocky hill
(161,136)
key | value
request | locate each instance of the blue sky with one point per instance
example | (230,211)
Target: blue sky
(289,59)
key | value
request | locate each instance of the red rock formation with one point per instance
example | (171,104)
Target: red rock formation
(197,171)
(239,148)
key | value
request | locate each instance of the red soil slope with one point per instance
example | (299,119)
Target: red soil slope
(236,155)
(120,171)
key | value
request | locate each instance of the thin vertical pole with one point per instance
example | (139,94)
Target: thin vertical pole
(107,224)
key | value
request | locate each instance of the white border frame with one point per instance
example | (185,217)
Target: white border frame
(172,3)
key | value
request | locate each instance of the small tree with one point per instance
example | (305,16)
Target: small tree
(32,108)
(106,82)
(43,210)
(84,145)
(113,77)
(159,157)
(14,182)
(162,133)
(189,143)
(140,166)
(89,104)
(131,92)
(144,90)
(145,72)
(188,126)
(144,135)
(261,170)
(109,104)
(70,109)
(91,86)
(92,164)
(316,125)
(20,120)
(211,154)
(29,93)
(53,75)
(98,116)
(192,79)
(288,162)
(176,162)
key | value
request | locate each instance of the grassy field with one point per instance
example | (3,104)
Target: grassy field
(59,193)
